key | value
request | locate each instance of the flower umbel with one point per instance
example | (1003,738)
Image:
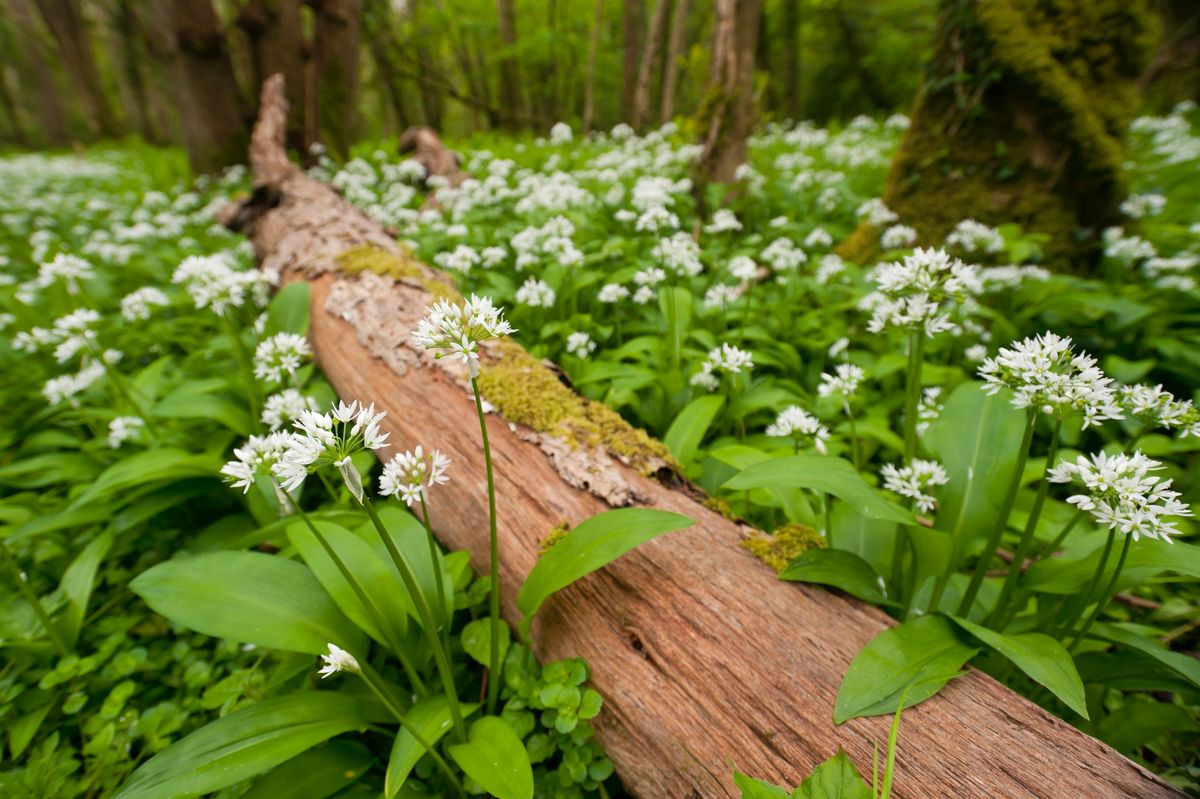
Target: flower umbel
(456,330)
(331,439)
(914,480)
(410,475)
(337,660)
(1122,495)
(277,358)
(801,425)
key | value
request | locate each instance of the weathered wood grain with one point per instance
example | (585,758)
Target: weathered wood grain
(701,654)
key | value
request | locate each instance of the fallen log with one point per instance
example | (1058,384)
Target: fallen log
(701,654)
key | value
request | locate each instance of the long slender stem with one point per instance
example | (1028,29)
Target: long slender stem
(993,540)
(380,690)
(912,400)
(376,617)
(672,343)
(435,563)
(1062,536)
(828,502)
(52,632)
(118,381)
(1072,611)
(1002,610)
(426,616)
(1102,600)
(853,436)
(249,384)
(493,688)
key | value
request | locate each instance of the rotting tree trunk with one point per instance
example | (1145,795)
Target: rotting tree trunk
(678,40)
(428,150)
(510,78)
(1022,119)
(701,654)
(66,23)
(650,58)
(334,93)
(277,47)
(727,112)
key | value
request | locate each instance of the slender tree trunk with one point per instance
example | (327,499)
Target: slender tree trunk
(791,58)
(277,46)
(130,53)
(335,56)
(66,23)
(44,94)
(431,100)
(633,21)
(589,80)
(650,57)
(675,47)
(510,80)
(11,113)
(727,113)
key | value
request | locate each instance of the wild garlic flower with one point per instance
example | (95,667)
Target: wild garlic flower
(1127,250)
(258,457)
(1045,373)
(655,219)
(916,294)
(580,345)
(723,221)
(612,293)
(800,425)
(410,475)
(743,268)
(285,407)
(844,382)
(720,295)
(138,305)
(679,255)
(1122,495)
(65,387)
(929,408)
(783,255)
(1139,206)
(650,276)
(830,266)
(212,283)
(277,358)
(65,268)
(461,259)
(1000,278)
(536,293)
(493,256)
(724,358)
(817,239)
(644,295)
(456,330)
(560,133)
(124,428)
(73,333)
(875,213)
(897,237)
(975,237)
(337,660)
(331,439)
(1155,407)
(915,480)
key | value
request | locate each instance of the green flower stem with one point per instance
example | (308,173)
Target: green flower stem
(249,382)
(380,689)
(436,563)
(396,646)
(672,343)
(828,502)
(1071,611)
(1005,608)
(912,400)
(855,454)
(993,539)
(1102,600)
(1062,536)
(126,393)
(493,688)
(426,616)
(52,632)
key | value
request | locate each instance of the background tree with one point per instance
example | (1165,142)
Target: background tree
(726,114)
(66,23)
(276,41)
(333,89)
(650,58)
(675,51)
(510,80)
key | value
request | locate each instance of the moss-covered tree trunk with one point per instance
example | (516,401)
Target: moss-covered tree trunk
(1022,119)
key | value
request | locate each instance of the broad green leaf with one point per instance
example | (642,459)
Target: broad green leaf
(412,540)
(591,546)
(1147,558)
(431,718)
(77,583)
(212,406)
(39,471)
(21,730)
(316,774)
(147,468)
(477,640)
(1043,659)
(289,310)
(243,744)
(62,520)
(826,474)
(912,661)
(496,759)
(248,597)
(1138,722)
(836,778)
(839,569)
(388,602)
(753,788)
(1183,665)
(688,430)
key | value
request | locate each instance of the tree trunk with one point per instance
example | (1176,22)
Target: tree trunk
(335,70)
(130,53)
(11,113)
(727,112)
(650,57)
(277,46)
(379,29)
(675,48)
(40,89)
(633,21)
(65,21)
(867,80)
(510,79)
(193,44)
(589,80)
(1022,119)
(791,58)
(703,657)
(431,101)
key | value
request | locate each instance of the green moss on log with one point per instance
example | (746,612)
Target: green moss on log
(784,545)
(398,266)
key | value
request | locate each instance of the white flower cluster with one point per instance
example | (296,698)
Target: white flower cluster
(456,330)
(916,294)
(68,269)
(461,259)
(285,407)
(552,240)
(743,268)
(897,237)
(560,133)
(258,457)
(975,237)
(679,255)
(139,304)
(1123,495)
(611,293)
(724,358)
(337,660)
(797,423)
(580,344)
(65,387)
(1127,250)
(410,475)
(1155,407)
(1002,278)
(915,480)
(124,428)
(721,296)
(1044,372)
(213,283)
(818,238)
(875,213)
(536,293)
(1140,206)
(330,439)
(929,408)
(277,358)
(783,255)
(843,382)
(723,221)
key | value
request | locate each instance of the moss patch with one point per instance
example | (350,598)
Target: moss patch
(398,266)
(721,506)
(784,545)
(525,392)
(553,537)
